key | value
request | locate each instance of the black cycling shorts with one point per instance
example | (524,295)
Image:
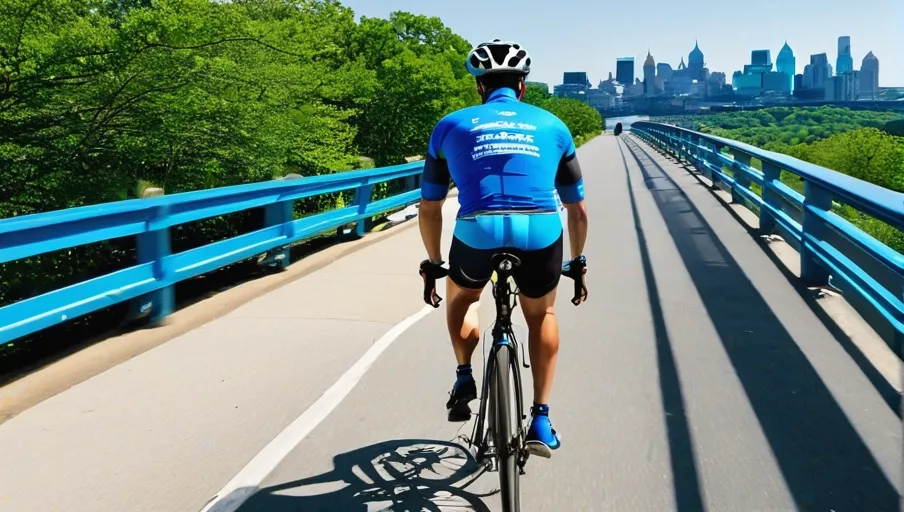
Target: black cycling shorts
(537,275)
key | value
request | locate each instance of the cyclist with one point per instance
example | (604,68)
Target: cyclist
(508,159)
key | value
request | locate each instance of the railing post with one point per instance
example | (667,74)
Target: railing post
(698,153)
(714,161)
(275,214)
(413,182)
(740,175)
(154,246)
(816,197)
(662,141)
(362,198)
(686,148)
(770,198)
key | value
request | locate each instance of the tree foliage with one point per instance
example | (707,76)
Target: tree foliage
(418,64)
(101,97)
(777,128)
(582,120)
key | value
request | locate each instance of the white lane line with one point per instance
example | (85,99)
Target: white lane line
(248,480)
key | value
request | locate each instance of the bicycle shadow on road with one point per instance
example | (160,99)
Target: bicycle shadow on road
(397,475)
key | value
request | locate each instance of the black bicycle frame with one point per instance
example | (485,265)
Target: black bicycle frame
(503,339)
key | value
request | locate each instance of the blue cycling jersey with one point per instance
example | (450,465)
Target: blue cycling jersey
(505,157)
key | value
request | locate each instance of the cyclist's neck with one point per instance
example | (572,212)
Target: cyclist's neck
(502,94)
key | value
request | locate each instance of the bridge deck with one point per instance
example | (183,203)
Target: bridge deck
(694,378)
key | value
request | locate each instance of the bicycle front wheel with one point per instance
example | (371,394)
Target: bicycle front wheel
(504,433)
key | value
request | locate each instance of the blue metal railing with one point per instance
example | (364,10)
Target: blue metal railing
(830,246)
(150,281)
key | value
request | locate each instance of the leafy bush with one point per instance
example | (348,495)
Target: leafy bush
(584,121)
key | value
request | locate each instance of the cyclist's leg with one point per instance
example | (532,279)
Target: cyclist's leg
(462,320)
(543,340)
(469,271)
(537,278)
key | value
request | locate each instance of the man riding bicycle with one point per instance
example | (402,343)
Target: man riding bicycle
(508,160)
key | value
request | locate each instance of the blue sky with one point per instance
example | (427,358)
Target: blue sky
(588,35)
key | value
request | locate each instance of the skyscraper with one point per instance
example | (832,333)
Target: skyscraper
(787,64)
(869,77)
(761,59)
(624,70)
(575,84)
(576,78)
(817,71)
(664,70)
(695,63)
(845,62)
(649,75)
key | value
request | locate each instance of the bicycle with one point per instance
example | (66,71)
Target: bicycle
(500,446)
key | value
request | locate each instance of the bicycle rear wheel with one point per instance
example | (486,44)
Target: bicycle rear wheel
(503,434)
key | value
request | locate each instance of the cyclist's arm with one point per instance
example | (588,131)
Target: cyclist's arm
(434,189)
(570,186)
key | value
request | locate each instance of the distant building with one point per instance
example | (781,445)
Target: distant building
(576,78)
(786,63)
(691,79)
(624,70)
(600,99)
(696,64)
(817,72)
(845,61)
(776,82)
(664,71)
(716,84)
(843,87)
(758,77)
(572,91)
(761,60)
(575,85)
(649,75)
(869,77)
(611,86)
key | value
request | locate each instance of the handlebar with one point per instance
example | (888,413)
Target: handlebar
(575,269)
(431,272)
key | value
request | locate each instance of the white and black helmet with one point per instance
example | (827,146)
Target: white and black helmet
(498,57)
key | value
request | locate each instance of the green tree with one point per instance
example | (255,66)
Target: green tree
(536,95)
(867,154)
(582,120)
(419,64)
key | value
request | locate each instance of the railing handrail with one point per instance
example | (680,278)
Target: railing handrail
(880,202)
(148,282)
(306,186)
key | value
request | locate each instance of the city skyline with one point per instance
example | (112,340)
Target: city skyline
(800,60)
(581,37)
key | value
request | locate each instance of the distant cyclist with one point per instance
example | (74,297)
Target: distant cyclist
(508,160)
